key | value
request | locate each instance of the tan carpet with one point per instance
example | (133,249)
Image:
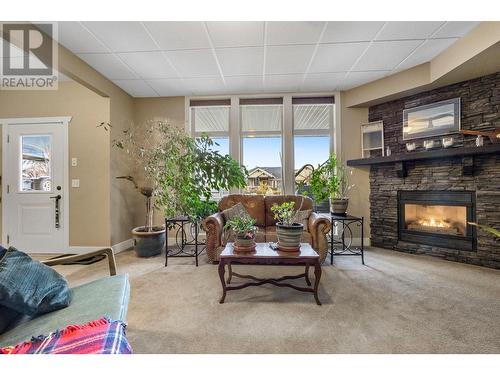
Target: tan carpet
(397,303)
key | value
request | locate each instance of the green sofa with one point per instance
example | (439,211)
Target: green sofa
(108,297)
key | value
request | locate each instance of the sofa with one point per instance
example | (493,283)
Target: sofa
(259,208)
(106,297)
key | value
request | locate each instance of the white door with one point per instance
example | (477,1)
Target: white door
(35,212)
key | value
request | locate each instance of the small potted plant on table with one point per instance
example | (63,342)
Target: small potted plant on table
(244,232)
(331,181)
(288,231)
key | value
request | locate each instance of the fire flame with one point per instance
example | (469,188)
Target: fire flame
(432,222)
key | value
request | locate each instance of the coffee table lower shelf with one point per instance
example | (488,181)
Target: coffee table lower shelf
(264,255)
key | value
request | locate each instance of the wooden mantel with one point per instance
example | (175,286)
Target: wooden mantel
(466,153)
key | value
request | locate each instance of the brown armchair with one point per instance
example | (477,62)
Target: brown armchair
(259,208)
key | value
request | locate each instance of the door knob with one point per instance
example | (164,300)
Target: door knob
(56,197)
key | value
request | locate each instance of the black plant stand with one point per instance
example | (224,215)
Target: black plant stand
(181,225)
(346,236)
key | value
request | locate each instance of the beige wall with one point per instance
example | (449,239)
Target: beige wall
(123,204)
(89,204)
(351,120)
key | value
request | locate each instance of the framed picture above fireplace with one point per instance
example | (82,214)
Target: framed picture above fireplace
(433,119)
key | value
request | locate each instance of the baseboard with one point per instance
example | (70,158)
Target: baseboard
(122,246)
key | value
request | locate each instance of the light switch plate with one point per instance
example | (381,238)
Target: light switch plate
(74,162)
(75,183)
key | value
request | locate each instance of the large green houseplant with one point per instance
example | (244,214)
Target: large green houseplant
(331,181)
(179,174)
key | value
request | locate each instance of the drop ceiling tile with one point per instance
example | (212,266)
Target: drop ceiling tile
(108,65)
(385,55)
(148,65)
(194,63)
(136,88)
(239,61)
(408,30)
(293,32)
(283,82)
(77,39)
(122,36)
(236,34)
(337,57)
(244,84)
(354,79)
(350,31)
(206,85)
(455,29)
(174,35)
(323,81)
(426,52)
(288,59)
(170,87)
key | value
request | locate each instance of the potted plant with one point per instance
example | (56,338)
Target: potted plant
(148,239)
(180,172)
(244,231)
(288,231)
(331,181)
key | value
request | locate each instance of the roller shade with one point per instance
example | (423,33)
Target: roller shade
(210,119)
(259,118)
(312,116)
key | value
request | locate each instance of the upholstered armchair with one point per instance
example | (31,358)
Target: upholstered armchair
(259,208)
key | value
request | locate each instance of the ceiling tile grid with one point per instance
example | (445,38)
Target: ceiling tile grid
(216,58)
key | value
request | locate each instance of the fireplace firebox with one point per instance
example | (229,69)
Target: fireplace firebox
(437,218)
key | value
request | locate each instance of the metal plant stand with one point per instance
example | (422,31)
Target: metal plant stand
(185,247)
(344,224)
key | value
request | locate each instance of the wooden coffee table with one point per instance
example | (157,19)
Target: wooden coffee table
(265,255)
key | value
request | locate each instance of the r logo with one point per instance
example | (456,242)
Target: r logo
(35,40)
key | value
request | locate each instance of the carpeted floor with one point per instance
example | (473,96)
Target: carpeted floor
(397,303)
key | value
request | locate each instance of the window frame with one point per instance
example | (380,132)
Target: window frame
(287,130)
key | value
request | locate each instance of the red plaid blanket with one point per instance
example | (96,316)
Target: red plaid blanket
(101,336)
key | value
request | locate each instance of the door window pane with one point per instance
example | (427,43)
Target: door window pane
(36,174)
(262,158)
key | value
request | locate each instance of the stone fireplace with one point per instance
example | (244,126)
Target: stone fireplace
(421,200)
(438,218)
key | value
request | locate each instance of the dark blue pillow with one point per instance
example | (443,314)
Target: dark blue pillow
(30,287)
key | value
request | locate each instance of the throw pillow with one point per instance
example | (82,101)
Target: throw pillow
(30,287)
(235,211)
(302,217)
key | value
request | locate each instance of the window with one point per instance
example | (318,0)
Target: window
(211,117)
(312,125)
(261,128)
(279,140)
(36,154)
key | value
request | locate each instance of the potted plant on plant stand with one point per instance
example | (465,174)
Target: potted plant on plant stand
(244,230)
(331,181)
(288,231)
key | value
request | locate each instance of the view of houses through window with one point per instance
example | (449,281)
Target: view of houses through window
(259,135)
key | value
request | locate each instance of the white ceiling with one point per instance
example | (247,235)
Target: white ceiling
(149,59)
